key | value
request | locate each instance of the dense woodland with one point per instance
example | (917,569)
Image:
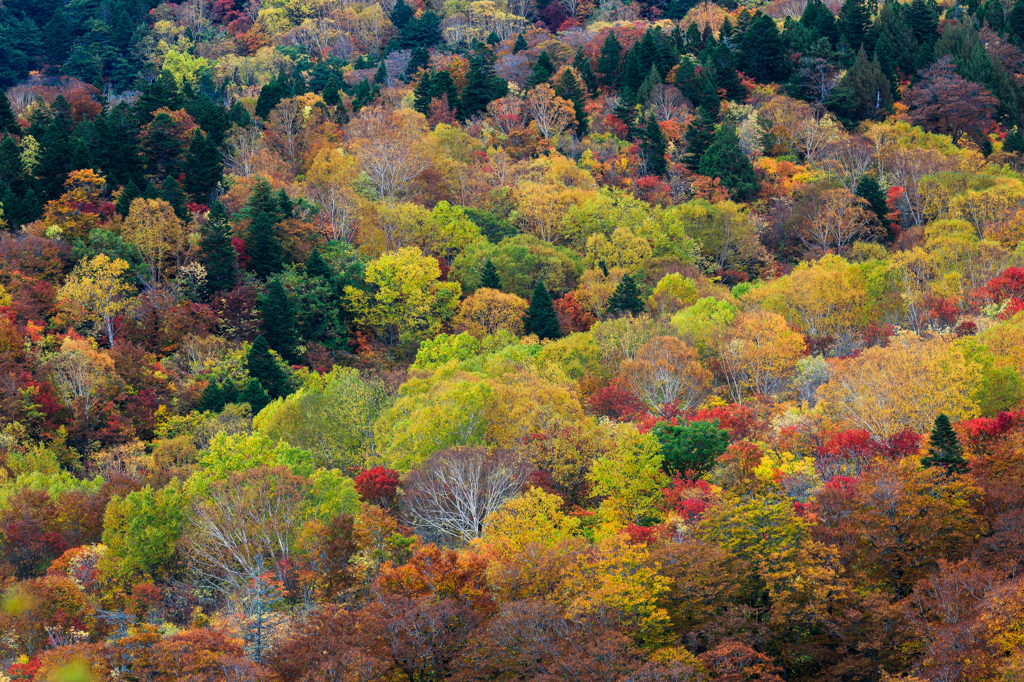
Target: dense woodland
(502,340)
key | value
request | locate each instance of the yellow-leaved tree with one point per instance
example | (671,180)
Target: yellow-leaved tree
(97,292)
(162,238)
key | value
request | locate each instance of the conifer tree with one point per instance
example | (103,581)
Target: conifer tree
(543,70)
(262,246)
(944,448)
(1014,143)
(819,22)
(129,193)
(482,87)
(726,76)
(570,87)
(625,298)
(316,266)
(653,148)
(263,367)
(330,93)
(230,392)
(923,17)
(212,399)
(419,59)
(632,77)
(218,251)
(381,77)
(993,15)
(170,191)
(869,190)
(582,66)
(278,320)
(493,38)
(423,93)
(541,318)
(203,169)
(520,44)
(255,396)
(8,123)
(764,53)
(489,277)
(700,135)
(862,93)
(854,23)
(611,56)
(725,160)
(271,95)
(402,15)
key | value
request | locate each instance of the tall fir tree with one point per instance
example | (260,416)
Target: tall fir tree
(611,57)
(541,318)
(482,87)
(419,59)
(170,191)
(855,24)
(653,148)
(218,251)
(862,93)
(129,193)
(520,44)
(764,52)
(625,298)
(944,448)
(316,266)
(230,392)
(923,17)
(8,122)
(582,65)
(212,399)
(423,93)
(871,192)
(203,169)
(700,135)
(725,160)
(255,395)
(278,317)
(264,368)
(571,87)
(543,70)
(489,277)
(263,247)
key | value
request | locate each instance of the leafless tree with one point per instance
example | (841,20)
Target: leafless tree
(454,491)
(244,146)
(390,148)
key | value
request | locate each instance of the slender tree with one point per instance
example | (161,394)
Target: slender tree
(279,321)
(541,318)
(944,448)
(489,277)
(625,298)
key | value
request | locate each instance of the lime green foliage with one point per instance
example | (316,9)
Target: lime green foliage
(631,479)
(704,323)
(521,261)
(141,530)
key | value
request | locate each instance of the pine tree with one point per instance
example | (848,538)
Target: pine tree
(543,70)
(271,95)
(170,191)
(1015,21)
(203,169)
(381,77)
(218,251)
(869,190)
(1014,143)
(239,115)
(570,87)
(611,57)
(316,266)
(541,318)
(632,77)
(862,93)
(489,277)
(278,321)
(820,22)
(625,298)
(643,93)
(230,391)
(725,160)
(923,17)
(8,122)
(764,54)
(726,76)
(700,135)
(653,148)
(129,193)
(330,93)
(994,16)
(263,367)
(212,399)
(266,256)
(493,38)
(854,23)
(442,86)
(420,59)
(482,87)
(423,93)
(402,15)
(582,66)
(520,44)
(944,448)
(255,396)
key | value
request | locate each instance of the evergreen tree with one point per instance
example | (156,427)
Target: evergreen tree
(570,87)
(442,85)
(994,16)
(330,93)
(700,135)
(58,37)
(493,38)
(520,44)
(854,23)
(271,95)
(819,22)
(402,15)
(129,193)
(1014,143)
(255,396)
(278,321)
(541,318)
(211,117)
(543,70)
(643,93)
(862,93)
(162,92)
(264,368)
(8,122)
(625,298)
(693,39)
(725,160)
(239,115)
(218,251)
(764,54)
(653,148)
(489,277)
(316,266)
(230,392)
(381,77)
(423,93)
(923,17)
(869,190)
(212,399)
(162,147)
(482,87)
(896,47)
(420,59)
(632,77)
(12,168)
(422,32)
(1015,21)
(582,66)
(726,76)
(170,191)
(262,246)
(203,169)
(944,448)
(55,159)
(611,56)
